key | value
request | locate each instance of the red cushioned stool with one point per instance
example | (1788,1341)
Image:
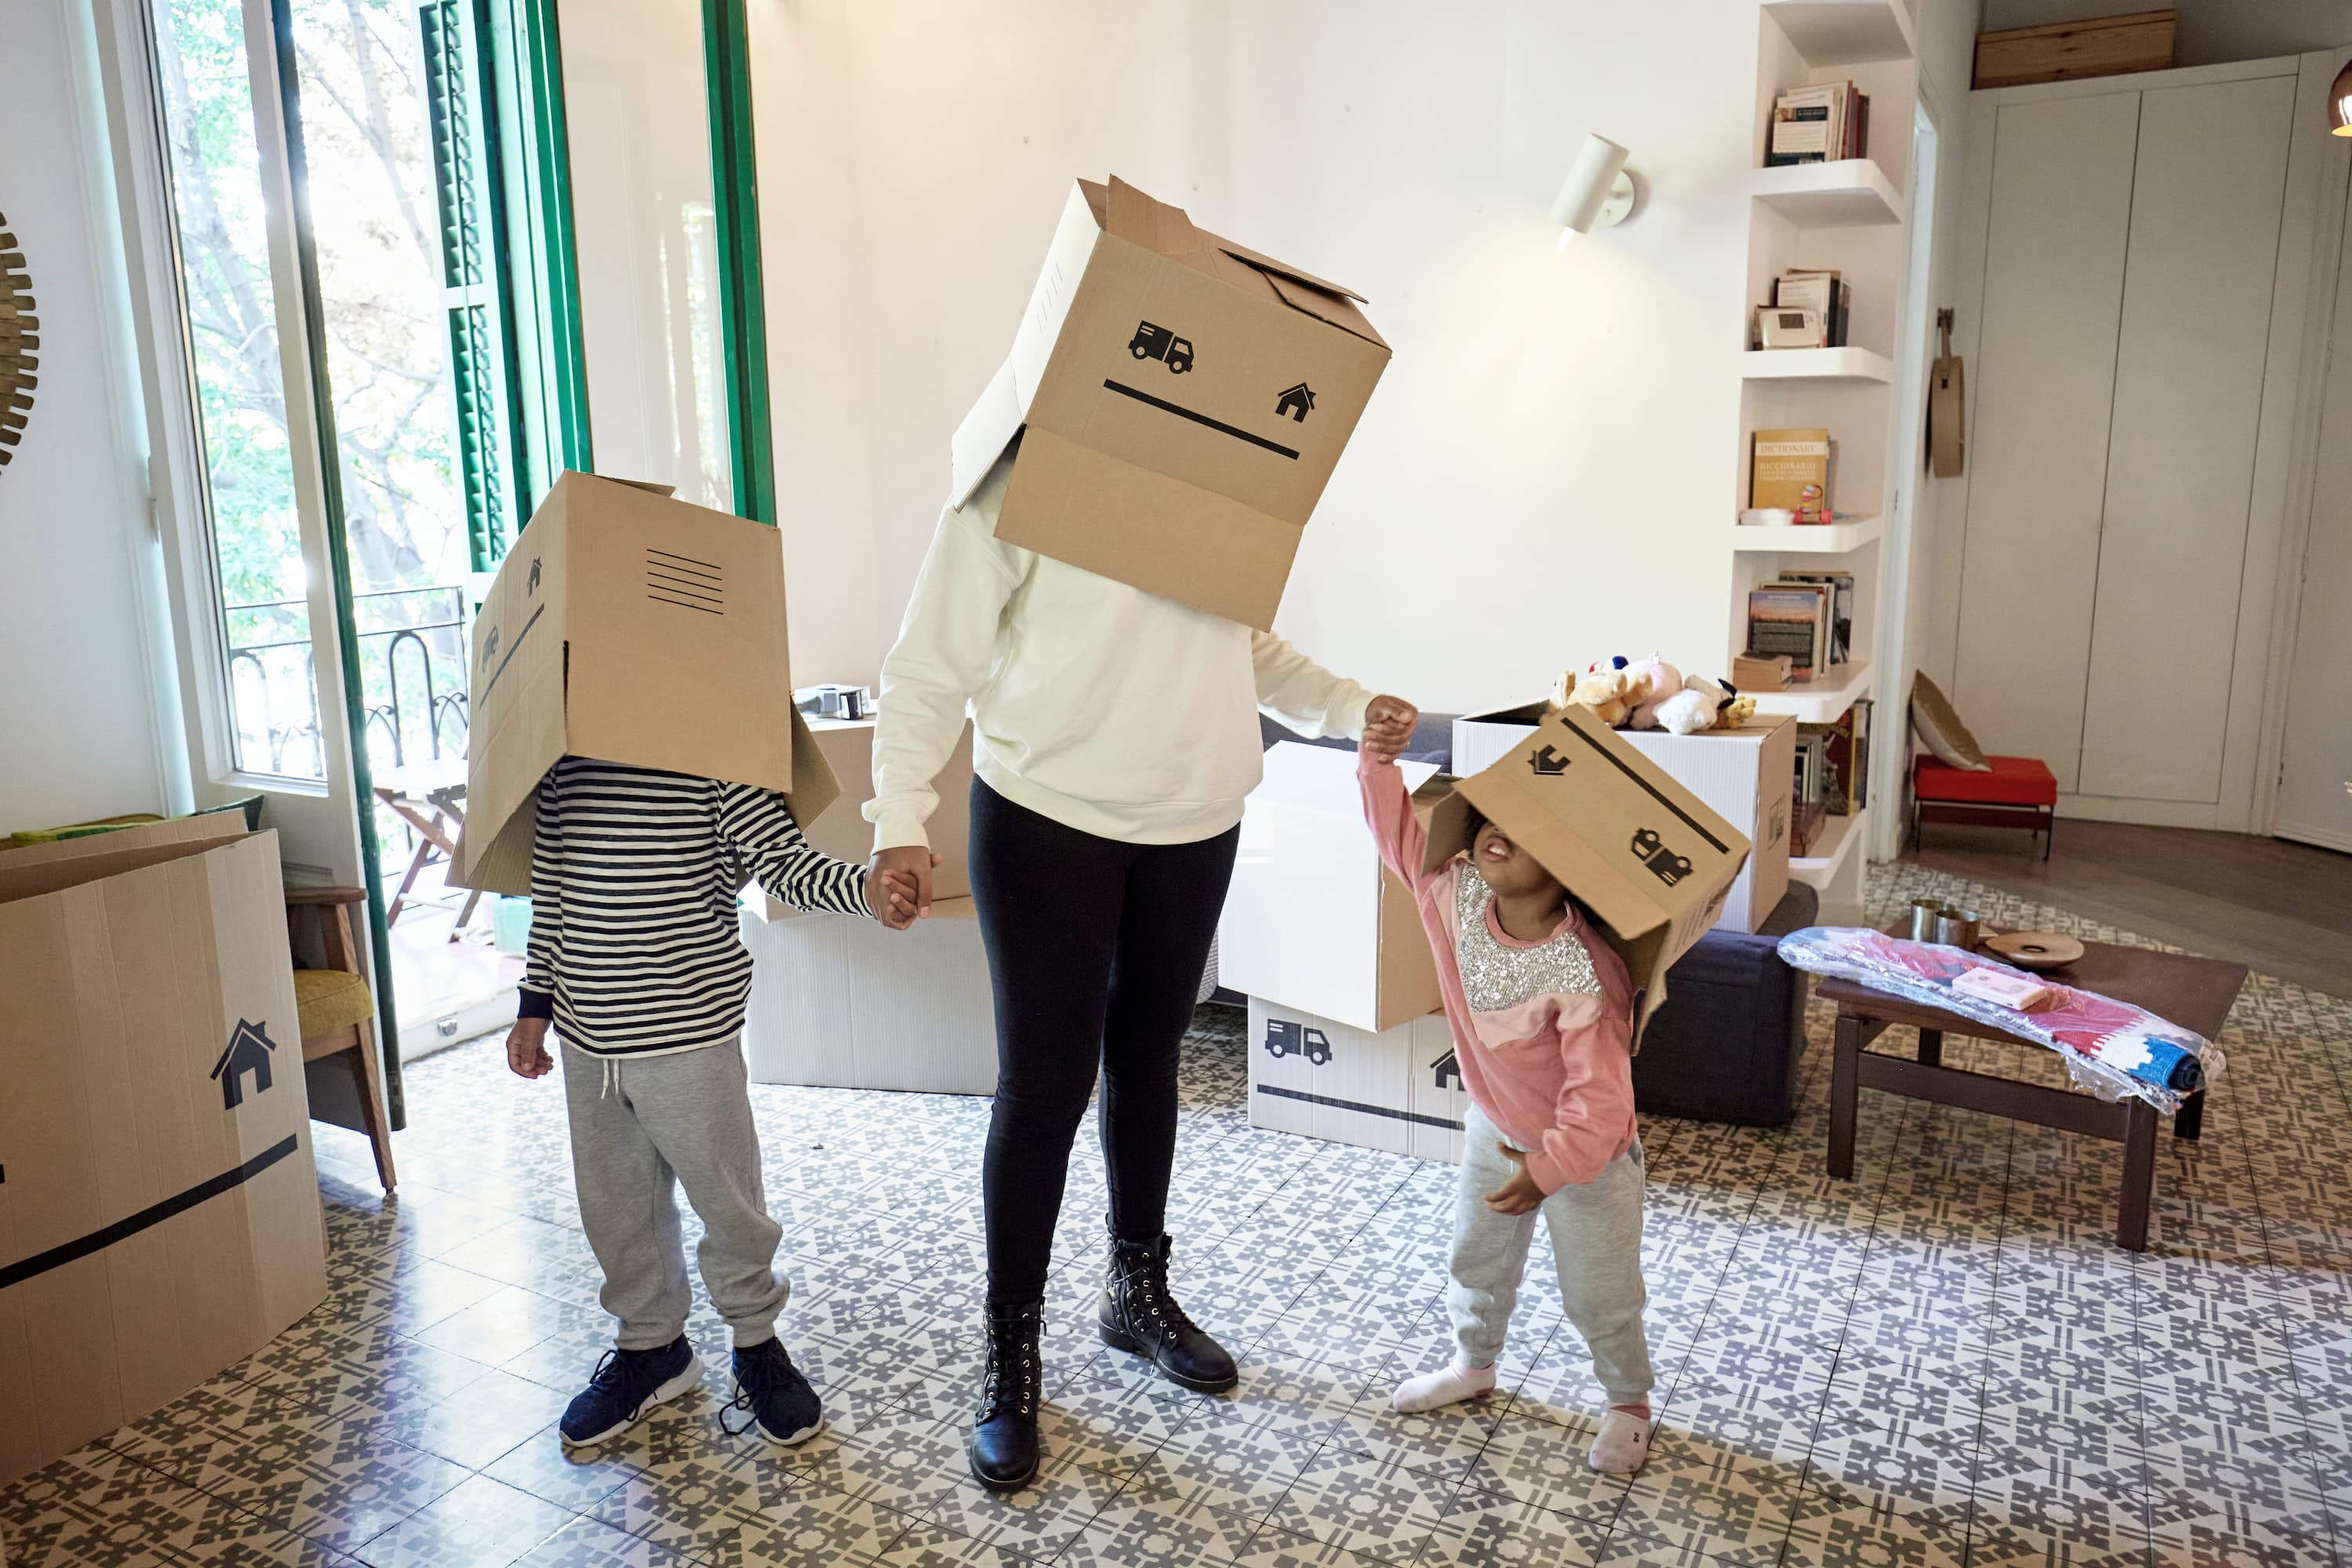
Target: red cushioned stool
(2018,793)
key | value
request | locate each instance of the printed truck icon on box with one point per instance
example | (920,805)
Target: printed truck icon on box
(1158,342)
(1664,863)
(1286,1039)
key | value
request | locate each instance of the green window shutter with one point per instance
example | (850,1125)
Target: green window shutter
(473,291)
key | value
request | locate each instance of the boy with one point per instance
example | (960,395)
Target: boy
(634,955)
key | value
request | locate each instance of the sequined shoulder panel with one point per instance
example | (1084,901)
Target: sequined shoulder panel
(1495,976)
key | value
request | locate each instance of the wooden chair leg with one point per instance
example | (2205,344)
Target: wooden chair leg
(416,864)
(368,1073)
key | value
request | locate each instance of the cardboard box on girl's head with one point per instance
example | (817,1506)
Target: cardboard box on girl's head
(633,628)
(1643,854)
(1180,402)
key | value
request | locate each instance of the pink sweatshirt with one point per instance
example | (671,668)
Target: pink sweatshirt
(1555,1069)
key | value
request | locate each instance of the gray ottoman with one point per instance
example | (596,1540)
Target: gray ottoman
(1727,1045)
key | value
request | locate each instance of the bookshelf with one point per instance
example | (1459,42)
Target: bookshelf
(1850,216)
(1816,364)
(1852,193)
(1807,538)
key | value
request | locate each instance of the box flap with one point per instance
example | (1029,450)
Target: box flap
(216,826)
(654,486)
(983,436)
(1334,309)
(1164,230)
(1265,263)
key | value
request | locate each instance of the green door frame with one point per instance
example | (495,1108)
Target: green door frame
(339,556)
(742,300)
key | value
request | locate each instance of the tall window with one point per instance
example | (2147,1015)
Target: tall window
(231,314)
(393,125)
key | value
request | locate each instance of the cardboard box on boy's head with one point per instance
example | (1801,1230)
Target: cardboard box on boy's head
(630,628)
(1180,403)
(1643,854)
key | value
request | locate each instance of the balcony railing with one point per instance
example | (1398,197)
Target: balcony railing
(413,671)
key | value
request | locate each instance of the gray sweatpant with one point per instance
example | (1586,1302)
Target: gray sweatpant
(1596,1243)
(640,1126)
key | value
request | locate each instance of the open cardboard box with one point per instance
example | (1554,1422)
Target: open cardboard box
(1646,855)
(1180,402)
(633,628)
(1742,775)
(842,831)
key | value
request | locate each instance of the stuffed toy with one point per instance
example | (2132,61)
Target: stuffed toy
(1663,681)
(1607,693)
(1704,704)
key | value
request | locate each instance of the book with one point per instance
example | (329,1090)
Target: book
(1749,674)
(1805,127)
(1840,586)
(1791,468)
(1790,620)
(1845,753)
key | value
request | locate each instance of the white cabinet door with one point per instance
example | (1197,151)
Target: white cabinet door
(2315,796)
(2044,382)
(2206,202)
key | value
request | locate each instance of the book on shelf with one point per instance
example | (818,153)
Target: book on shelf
(1845,754)
(1790,621)
(1825,292)
(1806,825)
(1750,674)
(1840,586)
(1818,125)
(1790,469)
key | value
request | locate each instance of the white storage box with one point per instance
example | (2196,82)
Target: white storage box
(1744,775)
(1313,920)
(844,1002)
(1397,1088)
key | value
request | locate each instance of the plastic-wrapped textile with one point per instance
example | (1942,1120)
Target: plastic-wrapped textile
(2110,1047)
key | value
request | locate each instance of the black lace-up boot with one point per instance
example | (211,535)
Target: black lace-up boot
(1138,1316)
(1005,1428)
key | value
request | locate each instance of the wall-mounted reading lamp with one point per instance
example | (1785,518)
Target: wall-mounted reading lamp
(1598,192)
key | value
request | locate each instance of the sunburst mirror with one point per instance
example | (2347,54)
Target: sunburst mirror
(20,335)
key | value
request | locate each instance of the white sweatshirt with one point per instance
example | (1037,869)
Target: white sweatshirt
(1110,709)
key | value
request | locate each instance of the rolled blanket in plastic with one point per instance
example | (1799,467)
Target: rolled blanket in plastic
(2110,1047)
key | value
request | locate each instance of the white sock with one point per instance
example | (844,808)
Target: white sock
(1623,1444)
(1430,1390)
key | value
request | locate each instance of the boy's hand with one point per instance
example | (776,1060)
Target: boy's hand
(1388,728)
(1519,1194)
(894,892)
(527,1049)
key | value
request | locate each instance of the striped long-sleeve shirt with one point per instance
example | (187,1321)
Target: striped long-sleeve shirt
(634,945)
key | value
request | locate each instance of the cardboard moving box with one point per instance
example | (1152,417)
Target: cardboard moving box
(842,831)
(158,1209)
(1397,1089)
(633,628)
(1643,854)
(1742,775)
(1312,919)
(843,1001)
(1180,402)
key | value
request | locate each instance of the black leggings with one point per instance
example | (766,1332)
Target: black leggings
(1095,949)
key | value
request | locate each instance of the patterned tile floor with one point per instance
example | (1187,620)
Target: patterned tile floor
(1943,1362)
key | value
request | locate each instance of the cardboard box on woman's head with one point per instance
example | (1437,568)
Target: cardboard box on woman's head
(633,628)
(1180,401)
(1643,854)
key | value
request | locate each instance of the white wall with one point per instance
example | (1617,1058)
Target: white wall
(80,679)
(2205,32)
(1545,475)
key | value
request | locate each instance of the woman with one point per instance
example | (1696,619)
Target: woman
(1115,738)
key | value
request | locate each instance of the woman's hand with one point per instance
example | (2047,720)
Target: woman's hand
(1519,1194)
(908,867)
(890,895)
(1387,727)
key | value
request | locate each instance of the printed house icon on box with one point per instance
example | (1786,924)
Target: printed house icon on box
(1295,402)
(249,1051)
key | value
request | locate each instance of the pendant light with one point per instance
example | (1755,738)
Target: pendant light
(2339,102)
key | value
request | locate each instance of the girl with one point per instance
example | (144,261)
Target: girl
(1542,1017)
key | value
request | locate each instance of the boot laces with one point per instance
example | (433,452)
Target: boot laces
(1014,1369)
(1143,1284)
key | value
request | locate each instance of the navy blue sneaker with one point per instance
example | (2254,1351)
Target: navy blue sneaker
(624,1385)
(770,1389)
